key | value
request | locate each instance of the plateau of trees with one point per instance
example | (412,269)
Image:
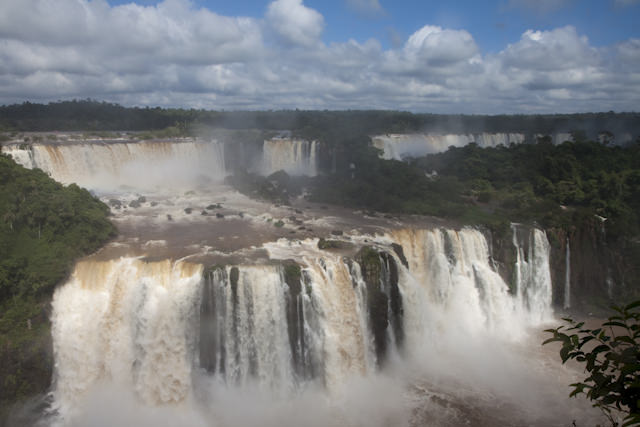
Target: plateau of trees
(554,185)
(330,126)
(44,227)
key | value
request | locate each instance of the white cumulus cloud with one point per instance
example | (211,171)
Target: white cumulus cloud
(178,54)
(561,48)
(295,23)
(441,46)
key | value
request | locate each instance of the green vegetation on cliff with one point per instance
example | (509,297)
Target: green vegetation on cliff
(533,181)
(554,185)
(44,227)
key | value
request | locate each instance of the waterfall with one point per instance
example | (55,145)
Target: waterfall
(567,278)
(128,322)
(400,146)
(533,275)
(450,283)
(243,326)
(255,326)
(310,318)
(20,153)
(294,156)
(342,335)
(106,166)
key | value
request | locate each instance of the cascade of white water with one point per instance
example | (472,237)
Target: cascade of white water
(567,277)
(370,309)
(294,156)
(108,166)
(140,324)
(450,281)
(127,322)
(533,274)
(344,342)
(361,294)
(313,161)
(249,326)
(400,146)
(20,153)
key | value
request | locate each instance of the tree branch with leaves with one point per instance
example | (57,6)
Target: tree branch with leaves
(610,354)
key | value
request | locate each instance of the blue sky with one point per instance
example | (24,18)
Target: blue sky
(505,56)
(492,23)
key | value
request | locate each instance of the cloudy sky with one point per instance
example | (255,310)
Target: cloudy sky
(502,56)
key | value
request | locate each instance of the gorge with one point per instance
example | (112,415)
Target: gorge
(211,308)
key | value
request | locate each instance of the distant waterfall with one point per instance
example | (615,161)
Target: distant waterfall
(400,146)
(294,156)
(105,166)
(158,328)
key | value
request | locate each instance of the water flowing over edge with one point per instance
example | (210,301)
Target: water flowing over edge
(294,156)
(158,329)
(151,165)
(400,146)
(108,166)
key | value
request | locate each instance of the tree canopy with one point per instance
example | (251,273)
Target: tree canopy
(43,227)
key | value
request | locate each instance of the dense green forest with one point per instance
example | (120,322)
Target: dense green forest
(330,126)
(44,227)
(547,183)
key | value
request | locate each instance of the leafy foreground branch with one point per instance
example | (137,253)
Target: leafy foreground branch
(611,355)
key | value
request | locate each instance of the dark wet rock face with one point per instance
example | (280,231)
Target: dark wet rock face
(384,302)
(602,272)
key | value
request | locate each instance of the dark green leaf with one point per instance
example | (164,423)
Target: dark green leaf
(614,323)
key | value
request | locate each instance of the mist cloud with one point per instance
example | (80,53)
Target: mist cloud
(177,54)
